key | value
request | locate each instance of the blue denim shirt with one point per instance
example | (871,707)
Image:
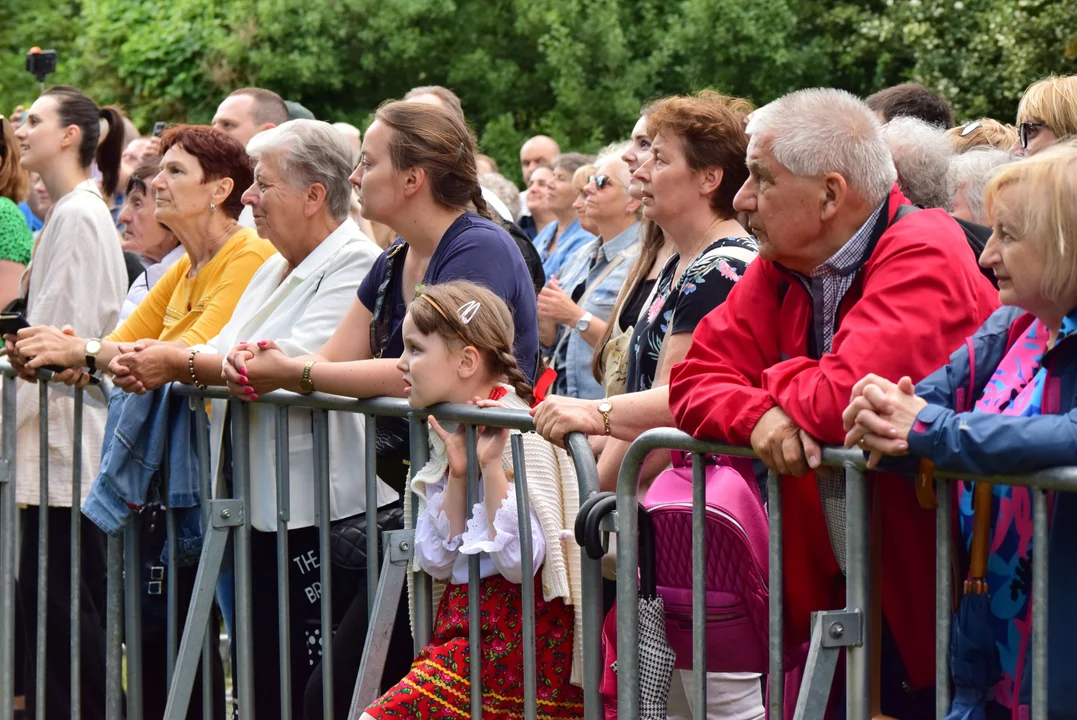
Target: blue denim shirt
(571,240)
(132,455)
(590,265)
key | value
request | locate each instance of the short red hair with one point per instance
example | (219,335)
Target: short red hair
(219,156)
(711,130)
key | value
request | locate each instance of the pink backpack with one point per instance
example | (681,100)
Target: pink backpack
(737,562)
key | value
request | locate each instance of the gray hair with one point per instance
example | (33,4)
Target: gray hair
(922,157)
(505,190)
(309,152)
(822,130)
(970,172)
(613,153)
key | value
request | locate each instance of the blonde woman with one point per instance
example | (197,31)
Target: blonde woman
(1046,114)
(1022,415)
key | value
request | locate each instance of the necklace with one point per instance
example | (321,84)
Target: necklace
(214,245)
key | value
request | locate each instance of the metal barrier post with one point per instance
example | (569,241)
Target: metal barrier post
(42,545)
(944,582)
(132,561)
(76,557)
(527,586)
(1039,603)
(474,602)
(284,503)
(699,580)
(114,630)
(776,677)
(370,428)
(325,560)
(244,673)
(591,578)
(201,425)
(422,615)
(7,549)
(628,677)
(858,592)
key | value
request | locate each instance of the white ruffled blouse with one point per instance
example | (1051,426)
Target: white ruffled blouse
(445,558)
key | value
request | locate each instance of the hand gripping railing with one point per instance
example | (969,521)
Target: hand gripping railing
(849,629)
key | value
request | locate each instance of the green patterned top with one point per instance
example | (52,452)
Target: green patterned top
(16,240)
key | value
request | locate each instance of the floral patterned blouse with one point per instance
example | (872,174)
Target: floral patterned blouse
(703,286)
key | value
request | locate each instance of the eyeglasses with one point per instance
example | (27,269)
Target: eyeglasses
(600,181)
(1023,132)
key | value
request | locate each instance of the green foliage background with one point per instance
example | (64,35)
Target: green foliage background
(576,69)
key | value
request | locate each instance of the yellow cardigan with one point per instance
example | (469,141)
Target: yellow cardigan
(194,309)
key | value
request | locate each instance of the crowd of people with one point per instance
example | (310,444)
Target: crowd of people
(822,270)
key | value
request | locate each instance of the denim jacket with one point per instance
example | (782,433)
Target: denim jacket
(600,269)
(572,239)
(138,429)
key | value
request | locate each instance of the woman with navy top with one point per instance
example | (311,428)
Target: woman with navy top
(416,175)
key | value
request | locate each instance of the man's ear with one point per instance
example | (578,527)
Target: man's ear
(834,194)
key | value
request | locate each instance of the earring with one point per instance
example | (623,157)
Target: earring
(213,207)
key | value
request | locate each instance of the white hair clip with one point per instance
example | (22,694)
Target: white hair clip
(970,128)
(469,310)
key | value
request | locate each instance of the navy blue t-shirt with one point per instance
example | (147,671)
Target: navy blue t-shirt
(478,250)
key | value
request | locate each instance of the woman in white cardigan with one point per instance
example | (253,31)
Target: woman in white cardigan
(297,298)
(76,277)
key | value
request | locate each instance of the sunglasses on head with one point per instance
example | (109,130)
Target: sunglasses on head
(1023,132)
(600,181)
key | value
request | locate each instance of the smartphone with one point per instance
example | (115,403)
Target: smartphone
(11,323)
(159,128)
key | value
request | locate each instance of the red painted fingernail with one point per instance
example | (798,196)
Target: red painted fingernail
(248,390)
(254,397)
(243,379)
(261,343)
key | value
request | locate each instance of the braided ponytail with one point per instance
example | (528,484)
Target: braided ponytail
(480,202)
(516,377)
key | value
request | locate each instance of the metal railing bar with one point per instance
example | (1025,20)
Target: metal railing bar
(527,586)
(474,601)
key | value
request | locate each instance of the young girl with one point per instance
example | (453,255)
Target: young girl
(458,340)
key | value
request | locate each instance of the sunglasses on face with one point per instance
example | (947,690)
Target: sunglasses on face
(1026,130)
(600,181)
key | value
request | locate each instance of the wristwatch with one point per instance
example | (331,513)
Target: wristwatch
(584,322)
(604,407)
(93,347)
(306,385)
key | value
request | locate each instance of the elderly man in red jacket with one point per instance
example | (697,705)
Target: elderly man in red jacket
(841,288)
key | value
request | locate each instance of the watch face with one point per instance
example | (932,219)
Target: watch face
(605,406)
(93,347)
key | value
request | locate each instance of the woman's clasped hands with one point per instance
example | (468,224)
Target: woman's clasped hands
(880,416)
(252,369)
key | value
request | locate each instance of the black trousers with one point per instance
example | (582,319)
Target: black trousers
(155,652)
(348,645)
(305,608)
(57,670)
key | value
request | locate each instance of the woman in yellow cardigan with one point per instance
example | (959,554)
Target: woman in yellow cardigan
(204,174)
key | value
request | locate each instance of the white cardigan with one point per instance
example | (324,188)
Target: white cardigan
(76,277)
(300,313)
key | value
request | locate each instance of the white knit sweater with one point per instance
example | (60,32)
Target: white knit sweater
(553,492)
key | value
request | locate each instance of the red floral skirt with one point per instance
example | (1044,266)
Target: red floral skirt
(439,686)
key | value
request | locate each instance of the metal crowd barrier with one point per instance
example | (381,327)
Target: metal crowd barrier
(224,517)
(847,630)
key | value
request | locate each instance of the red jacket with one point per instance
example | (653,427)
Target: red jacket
(918,295)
